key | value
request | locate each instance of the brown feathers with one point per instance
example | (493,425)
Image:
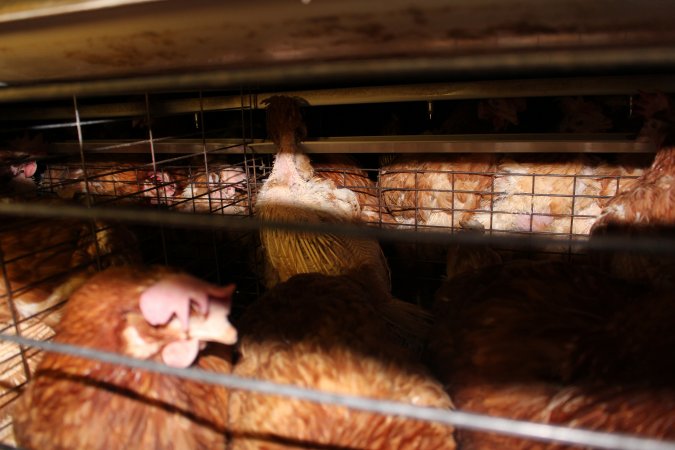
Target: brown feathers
(327,333)
(345,173)
(107,181)
(284,120)
(556,343)
(436,190)
(78,403)
(293,194)
(46,260)
(647,208)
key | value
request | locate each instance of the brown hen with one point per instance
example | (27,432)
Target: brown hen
(44,261)
(582,115)
(647,208)
(325,332)
(555,343)
(74,403)
(436,190)
(223,191)
(18,165)
(292,193)
(345,173)
(553,194)
(108,181)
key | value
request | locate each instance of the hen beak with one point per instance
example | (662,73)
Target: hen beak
(214,327)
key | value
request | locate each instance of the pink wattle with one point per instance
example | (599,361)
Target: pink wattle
(29,169)
(180,354)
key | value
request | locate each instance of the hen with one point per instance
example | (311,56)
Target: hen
(107,182)
(223,191)
(345,173)
(432,193)
(485,116)
(18,165)
(325,332)
(501,112)
(554,343)
(436,190)
(155,314)
(580,115)
(648,206)
(16,174)
(553,194)
(463,258)
(44,261)
(17,366)
(292,193)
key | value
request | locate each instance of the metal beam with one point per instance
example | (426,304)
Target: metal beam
(614,85)
(504,64)
(397,144)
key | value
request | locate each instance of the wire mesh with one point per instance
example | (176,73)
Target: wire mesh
(519,199)
(532,430)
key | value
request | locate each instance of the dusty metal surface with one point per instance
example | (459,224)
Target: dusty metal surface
(396,144)
(616,85)
(180,37)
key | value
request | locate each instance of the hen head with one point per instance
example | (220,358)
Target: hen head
(26,169)
(657,112)
(175,319)
(501,112)
(582,116)
(161,183)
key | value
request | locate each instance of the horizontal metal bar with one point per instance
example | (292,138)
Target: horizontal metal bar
(463,90)
(562,62)
(158,107)
(178,146)
(533,143)
(471,144)
(282,43)
(609,85)
(532,430)
(642,244)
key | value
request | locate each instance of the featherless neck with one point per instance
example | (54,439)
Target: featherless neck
(290,167)
(287,143)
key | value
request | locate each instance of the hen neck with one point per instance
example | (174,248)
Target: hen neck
(664,161)
(290,165)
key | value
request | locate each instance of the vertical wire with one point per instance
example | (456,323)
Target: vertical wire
(191,175)
(246,148)
(214,241)
(252,102)
(378,190)
(80,142)
(206,159)
(532,203)
(15,315)
(87,193)
(416,245)
(416,191)
(571,233)
(154,169)
(452,202)
(492,198)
